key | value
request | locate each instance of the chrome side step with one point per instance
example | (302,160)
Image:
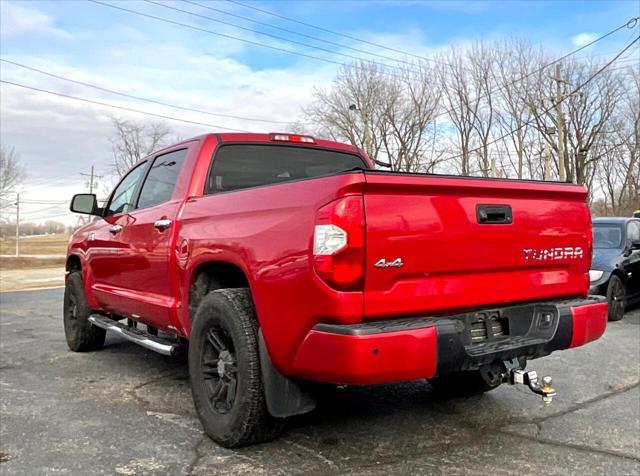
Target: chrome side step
(157,344)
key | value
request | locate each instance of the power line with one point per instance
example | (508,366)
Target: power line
(304,35)
(276,37)
(388,48)
(632,23)
(139,98)
(99,103)
(231,37)
(326,30)
(41,209)
(575,90)
(629,24)
(44,202)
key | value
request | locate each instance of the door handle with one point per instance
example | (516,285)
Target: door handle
(494,214)
(115,229)
(162,224)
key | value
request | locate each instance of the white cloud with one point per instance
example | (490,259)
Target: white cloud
(582,39)
(18,20)
(59,138)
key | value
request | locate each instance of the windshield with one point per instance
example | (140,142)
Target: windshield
(607,236)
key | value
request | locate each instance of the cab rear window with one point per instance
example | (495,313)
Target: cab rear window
(238,166)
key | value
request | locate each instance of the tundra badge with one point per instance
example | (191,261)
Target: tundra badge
(545,254)
(383,263)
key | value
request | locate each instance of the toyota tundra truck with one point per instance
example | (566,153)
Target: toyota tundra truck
(278,262)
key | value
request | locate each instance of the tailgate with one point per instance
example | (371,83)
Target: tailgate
(437,244)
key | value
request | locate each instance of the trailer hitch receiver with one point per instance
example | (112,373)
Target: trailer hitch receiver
(515,375)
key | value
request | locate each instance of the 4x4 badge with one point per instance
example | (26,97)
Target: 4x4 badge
(383,263)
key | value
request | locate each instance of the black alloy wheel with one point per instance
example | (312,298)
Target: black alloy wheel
(616,297)
(219,367)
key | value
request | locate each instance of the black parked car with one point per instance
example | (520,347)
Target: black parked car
(615,269)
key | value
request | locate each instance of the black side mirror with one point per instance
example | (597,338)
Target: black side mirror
(635,245)
(85,203)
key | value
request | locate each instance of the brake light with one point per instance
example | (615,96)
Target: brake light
(292,138)
(338,244)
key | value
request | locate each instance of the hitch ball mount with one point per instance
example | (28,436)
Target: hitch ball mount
(514,375)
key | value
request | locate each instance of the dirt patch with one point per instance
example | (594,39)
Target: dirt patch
(24,279)
(31,262)
(36,245)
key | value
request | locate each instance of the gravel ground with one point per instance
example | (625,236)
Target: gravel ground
(125,410)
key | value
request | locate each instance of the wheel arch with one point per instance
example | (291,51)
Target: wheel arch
(211,275)
(620,274)
(73,263)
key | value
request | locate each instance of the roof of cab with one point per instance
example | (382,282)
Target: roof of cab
(612,220)
(266,138)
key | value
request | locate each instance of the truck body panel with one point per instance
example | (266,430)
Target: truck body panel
(452,261)
(425,256)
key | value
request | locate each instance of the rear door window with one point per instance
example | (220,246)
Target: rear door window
(161,179)
(239,166)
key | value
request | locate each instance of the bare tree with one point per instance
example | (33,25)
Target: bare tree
(354,108)
(11,174)
(410,115)
(391,117)
(460,100)
(131,141)
(586,113)
(495,103)
(481,60)
(515,61)
(618,152)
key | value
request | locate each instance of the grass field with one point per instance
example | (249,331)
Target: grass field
(36,245)
(40,256)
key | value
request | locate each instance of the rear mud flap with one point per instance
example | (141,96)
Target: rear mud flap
(284,396)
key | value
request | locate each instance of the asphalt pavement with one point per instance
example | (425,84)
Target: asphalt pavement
(125,410)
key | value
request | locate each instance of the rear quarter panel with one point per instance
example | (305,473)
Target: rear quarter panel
(267,231)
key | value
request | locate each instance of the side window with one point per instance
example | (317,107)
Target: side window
(633,231)
(161,179)
(122,197)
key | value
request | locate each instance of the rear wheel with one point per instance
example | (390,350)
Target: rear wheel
(224,369)
(616,297)
(81,335)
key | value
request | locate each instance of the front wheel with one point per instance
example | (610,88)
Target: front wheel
(224,368)
(82,336)
(616,297)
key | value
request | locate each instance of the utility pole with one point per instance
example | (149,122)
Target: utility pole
(92,176)
(560,123)
(17,224)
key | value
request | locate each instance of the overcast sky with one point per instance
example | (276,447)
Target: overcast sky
(58,138)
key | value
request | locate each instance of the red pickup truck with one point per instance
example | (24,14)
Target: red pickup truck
(282,261)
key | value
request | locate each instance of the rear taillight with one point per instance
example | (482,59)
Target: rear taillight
(338,244)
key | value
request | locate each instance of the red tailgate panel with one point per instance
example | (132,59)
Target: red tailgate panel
(450,261)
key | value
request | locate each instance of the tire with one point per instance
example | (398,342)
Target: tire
(229,396)
(81,335)
(616,298)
